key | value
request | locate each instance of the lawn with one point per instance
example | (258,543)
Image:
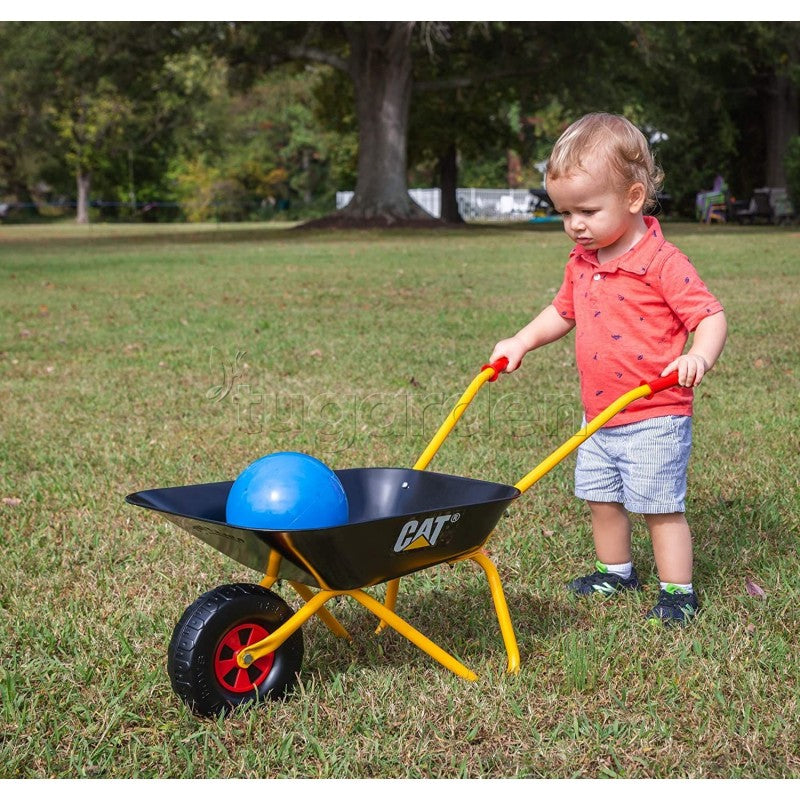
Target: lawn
(133,357)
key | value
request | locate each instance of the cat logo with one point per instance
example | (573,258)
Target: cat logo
(415,534)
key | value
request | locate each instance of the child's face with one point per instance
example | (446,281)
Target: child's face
(597,214)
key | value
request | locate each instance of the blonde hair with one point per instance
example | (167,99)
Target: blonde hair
(618,141)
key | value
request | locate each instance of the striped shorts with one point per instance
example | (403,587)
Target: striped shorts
(641,465)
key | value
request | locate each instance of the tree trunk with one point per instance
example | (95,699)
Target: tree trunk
(381,69)
(782,125)
(84,185)
(448,183)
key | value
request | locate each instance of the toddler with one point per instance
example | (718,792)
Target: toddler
(632,298)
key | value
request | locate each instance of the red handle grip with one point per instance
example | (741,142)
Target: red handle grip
(659,384)
(498,366)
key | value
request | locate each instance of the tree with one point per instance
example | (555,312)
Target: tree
(92,129)
(781,71)
(459,103)
(25,154)
(103,88)
(485,86)
(380,66)
(377,58)
(264,150)
(125,100)
(726,94)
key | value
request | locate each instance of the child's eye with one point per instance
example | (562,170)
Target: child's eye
(588,212)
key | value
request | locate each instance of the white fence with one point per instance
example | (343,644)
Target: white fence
(473,204)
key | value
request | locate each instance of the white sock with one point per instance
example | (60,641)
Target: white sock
(623,570)
(673,588)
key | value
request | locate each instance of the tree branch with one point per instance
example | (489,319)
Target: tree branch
(304,53)
(466,81)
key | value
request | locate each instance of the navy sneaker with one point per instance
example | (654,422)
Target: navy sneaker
(674,607)
(603,582)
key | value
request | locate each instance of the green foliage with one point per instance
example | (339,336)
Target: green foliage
(112,96)
(266,153)
(26,152)
(707,85)
(141,104)
(333,105)
(792,164)
(91,126)
(204,194)
(488,172)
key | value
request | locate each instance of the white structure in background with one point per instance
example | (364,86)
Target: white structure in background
(473,204)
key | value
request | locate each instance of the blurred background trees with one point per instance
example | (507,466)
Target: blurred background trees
(256,120)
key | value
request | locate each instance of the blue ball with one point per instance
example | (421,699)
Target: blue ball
(287,491)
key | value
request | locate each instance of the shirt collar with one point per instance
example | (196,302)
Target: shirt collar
(636,260)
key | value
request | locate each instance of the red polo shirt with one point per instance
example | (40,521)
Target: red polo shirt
(632,316)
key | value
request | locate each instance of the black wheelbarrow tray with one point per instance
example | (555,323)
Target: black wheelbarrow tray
(241,642)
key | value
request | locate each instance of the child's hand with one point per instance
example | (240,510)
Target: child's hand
(513,349)
(691,369)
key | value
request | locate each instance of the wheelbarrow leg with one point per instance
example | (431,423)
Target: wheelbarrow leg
(389,601)
(500,607)
(412,634)
(269,644)
(335,627)
(273,567)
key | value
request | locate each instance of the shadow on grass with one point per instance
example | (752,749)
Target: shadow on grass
(739,537)
(459,618)
(98,236)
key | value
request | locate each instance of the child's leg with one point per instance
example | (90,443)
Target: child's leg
(611,529)
(672,547)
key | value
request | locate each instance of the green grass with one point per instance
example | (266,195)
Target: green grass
(134,357)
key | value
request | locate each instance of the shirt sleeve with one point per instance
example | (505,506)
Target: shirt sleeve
(564,302)
(685,292)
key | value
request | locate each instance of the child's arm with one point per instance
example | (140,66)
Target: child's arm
(548,326)
(709,339)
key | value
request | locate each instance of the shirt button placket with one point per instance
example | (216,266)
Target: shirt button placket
(594,290)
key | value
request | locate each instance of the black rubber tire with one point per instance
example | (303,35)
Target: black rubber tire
(198,637)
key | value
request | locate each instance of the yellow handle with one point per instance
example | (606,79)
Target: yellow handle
(575,441)
(488,373)
(430,451)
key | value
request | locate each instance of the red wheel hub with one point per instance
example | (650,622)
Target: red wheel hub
(233,677)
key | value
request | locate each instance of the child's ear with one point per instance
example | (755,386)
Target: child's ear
(636,197)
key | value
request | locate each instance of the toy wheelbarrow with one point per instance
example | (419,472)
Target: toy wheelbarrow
(241,642)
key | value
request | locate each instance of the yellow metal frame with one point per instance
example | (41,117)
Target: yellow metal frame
(576,440)
(315,601)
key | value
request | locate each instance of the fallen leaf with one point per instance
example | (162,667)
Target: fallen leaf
(414,382)
(758,363)
(316,353)
(12,501)
(750,629)
(753,589)
(548,533)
